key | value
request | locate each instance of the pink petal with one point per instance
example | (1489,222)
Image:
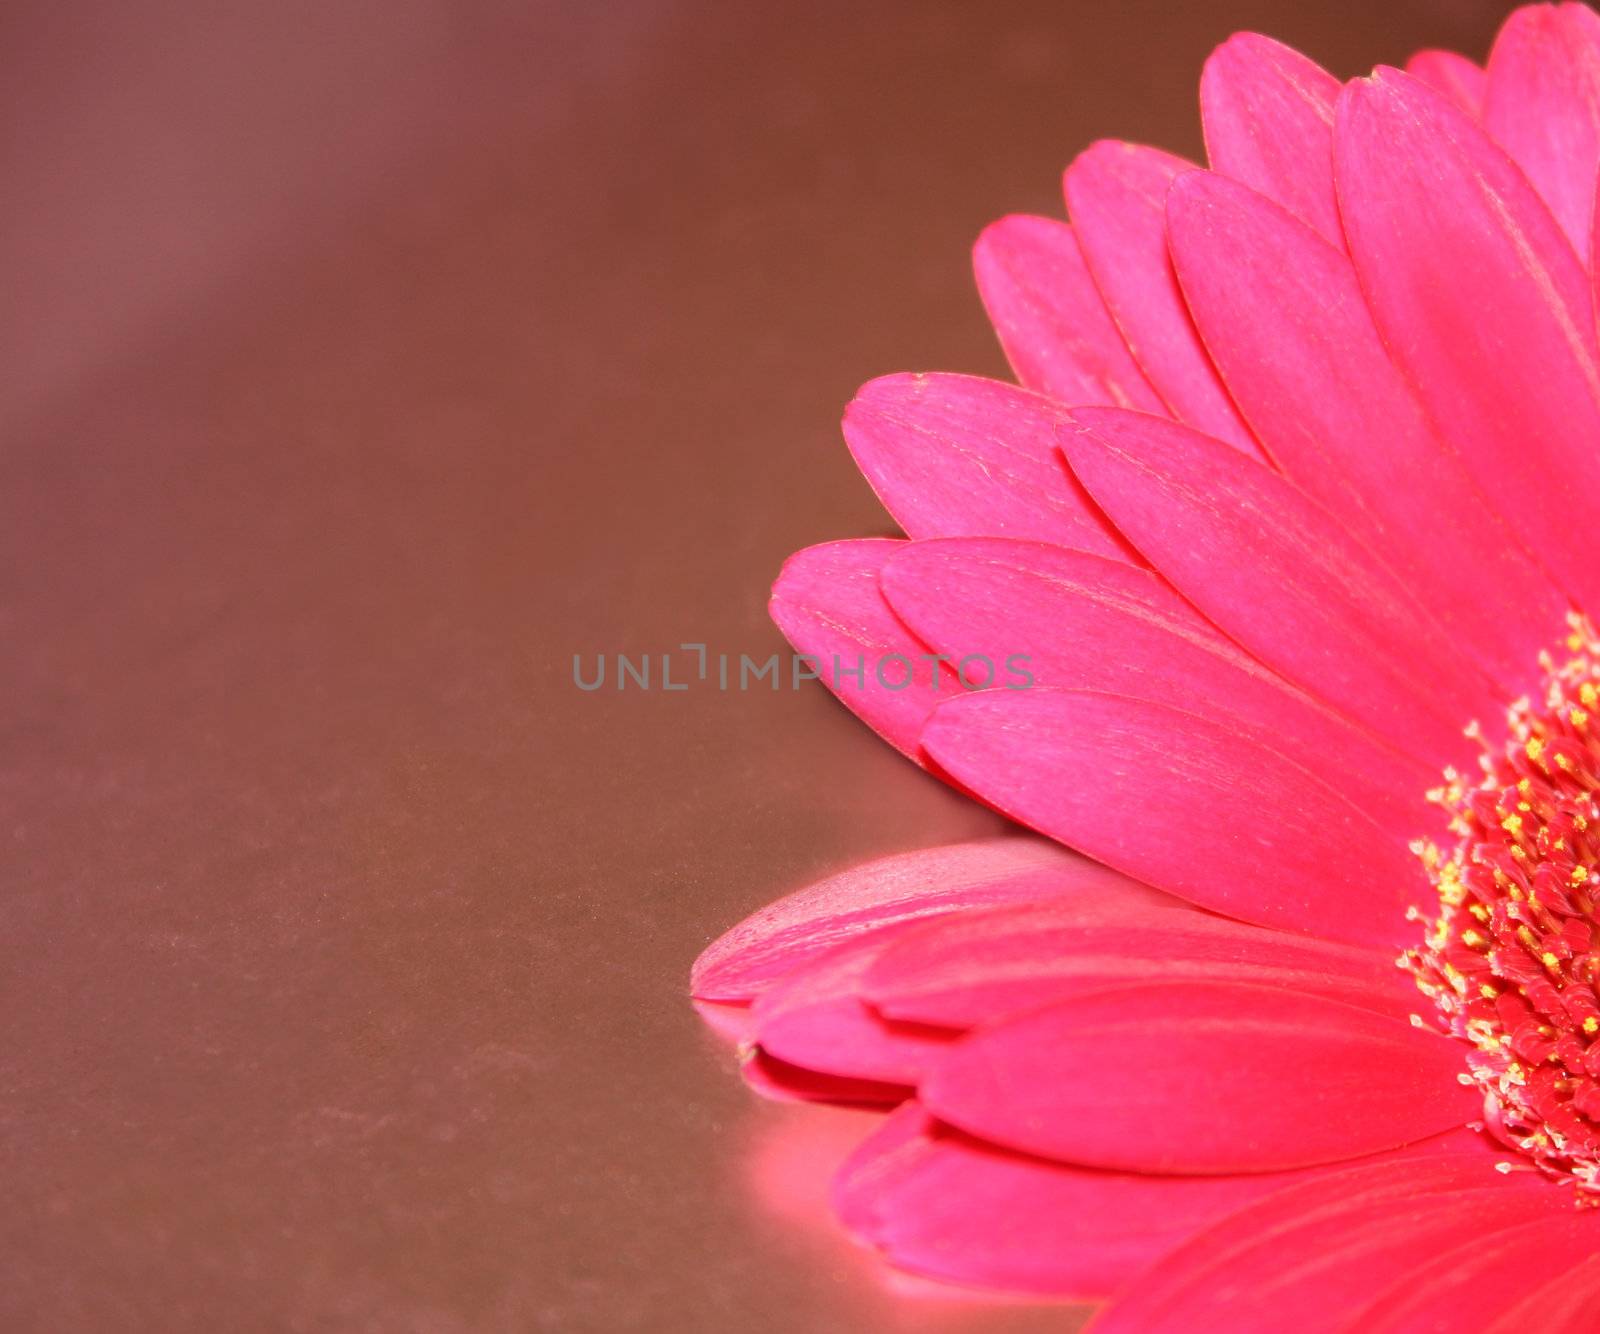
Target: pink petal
(1201,1077)
(1283,316)
(938,1202)
(798,929)
(941,1203)
(1470,1284)
(1463,81)
(1094,624)
(815,1018)
(1543,107)
(1309,1257)
(827,603)
(1184,804)
(1268,117)
(1115,193)
(953,455)
(961,971)
(729,1020)
(1050,318)
(1564,1305)
(778,1080)
(1280,575)
(1479,296)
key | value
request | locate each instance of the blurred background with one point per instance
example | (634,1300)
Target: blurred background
(364,363)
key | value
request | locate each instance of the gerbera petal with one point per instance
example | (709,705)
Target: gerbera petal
(781,1082)
(1463,81)
(1564,1305)
(1279,574)
(1050,318)
(1186,805)
(797,929)
(1308,1258)
(1088,623)
(961,971)
(815,1018)
(1267,112)
(1472,1284)
(1479,297)
(1201,1077)
(827,603)
(1115,194)
(1282,314)
(1543,107)
(953,455)
(941,1203)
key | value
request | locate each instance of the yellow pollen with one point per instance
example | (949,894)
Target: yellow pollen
(1512,960)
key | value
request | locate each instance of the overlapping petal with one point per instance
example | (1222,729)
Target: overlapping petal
(1087,623)
(1542,105)
(1282,576)
(1309,1258)
(1484,305)
(1188,806)
(1267,112)
(966,969)
(960,456)
(1116,194)
(1282,314)
(1050,318)
(799,929)
(828,603)
(1201,1077)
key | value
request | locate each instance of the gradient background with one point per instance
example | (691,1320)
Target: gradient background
(364,363)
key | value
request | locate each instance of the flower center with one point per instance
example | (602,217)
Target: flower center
(1512,959)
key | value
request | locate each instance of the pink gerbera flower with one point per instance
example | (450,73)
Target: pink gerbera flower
(1268,591)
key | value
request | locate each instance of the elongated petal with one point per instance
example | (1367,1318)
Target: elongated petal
(1563,1305)
(938,1202)
(815,1018)
(1472,1284)
(1088,623)
(1348,1233)
(1115,193)
(972,968)
(801,927)
(1282,577)
(1463,81)
(1185,805)
(1201,1077)
(1543,107)
(1050,318)
(828,605)
(1480,298)
(1267,111)
(781,1082)
(1283,316)
(956,455)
